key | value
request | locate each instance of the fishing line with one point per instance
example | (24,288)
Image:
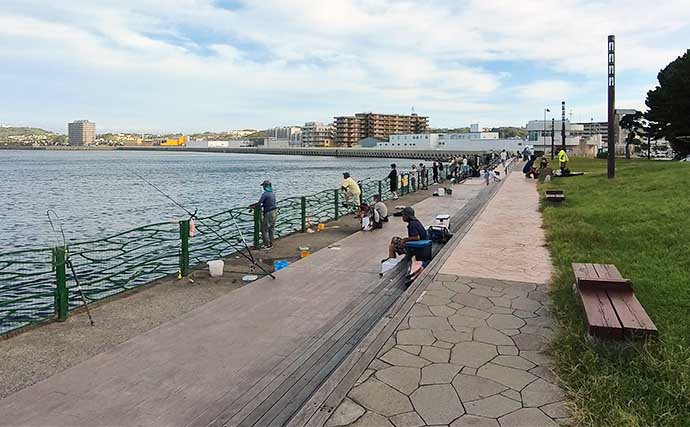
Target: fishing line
(249,257)
(68,260)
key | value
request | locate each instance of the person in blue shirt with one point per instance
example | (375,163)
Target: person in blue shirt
(267,203)
(415,231)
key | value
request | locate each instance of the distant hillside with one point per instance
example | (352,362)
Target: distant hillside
(510,132)
(10,135)
(9,130)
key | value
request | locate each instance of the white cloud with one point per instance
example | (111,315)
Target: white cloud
(189,65)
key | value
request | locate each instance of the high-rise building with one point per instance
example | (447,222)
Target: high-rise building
(317,134)
(81,132)
(349,130)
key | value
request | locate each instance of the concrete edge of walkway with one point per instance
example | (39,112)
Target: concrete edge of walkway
(317,410)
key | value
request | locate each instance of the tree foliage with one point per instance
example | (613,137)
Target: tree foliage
(669,105)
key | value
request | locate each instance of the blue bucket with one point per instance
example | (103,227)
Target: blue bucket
(279,265)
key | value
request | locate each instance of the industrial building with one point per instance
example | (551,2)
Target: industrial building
(349,130)
(81,132)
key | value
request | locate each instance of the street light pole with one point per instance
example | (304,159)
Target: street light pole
(612,106)
(543,136)
(553,131)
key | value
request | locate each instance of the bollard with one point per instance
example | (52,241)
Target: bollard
(61,295)
(184,248)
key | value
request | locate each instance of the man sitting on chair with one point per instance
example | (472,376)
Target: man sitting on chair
(415,231)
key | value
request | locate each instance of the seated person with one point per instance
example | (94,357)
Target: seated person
(378,213)
(529,170)
(415,231)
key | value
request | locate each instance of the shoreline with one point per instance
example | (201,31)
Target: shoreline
(429,155)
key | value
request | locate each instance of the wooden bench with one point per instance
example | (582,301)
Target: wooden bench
(610,305)
(555,196)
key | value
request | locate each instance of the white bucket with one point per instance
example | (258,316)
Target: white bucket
(215,267)
(441,191)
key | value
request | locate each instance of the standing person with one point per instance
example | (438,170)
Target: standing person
(269,209)
(415,231)
(393,177)
(465,165)
(435,172)
(563,160)
(423,179)
(351,190)
(440,171)
(413,177)
(504,157)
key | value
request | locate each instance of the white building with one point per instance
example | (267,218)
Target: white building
(577,141)
(291,133)
(450,142)
(317,134)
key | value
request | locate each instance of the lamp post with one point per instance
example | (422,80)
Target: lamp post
(563,125)
(612,106)
(552,136)
(543,136)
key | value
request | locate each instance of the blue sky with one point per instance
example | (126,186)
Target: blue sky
(194,65)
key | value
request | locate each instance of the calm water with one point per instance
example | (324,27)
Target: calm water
(95,195)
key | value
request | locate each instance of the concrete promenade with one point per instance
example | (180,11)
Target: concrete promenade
(473,349)
(222,362)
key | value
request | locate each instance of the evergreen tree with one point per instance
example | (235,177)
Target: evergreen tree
(669,105)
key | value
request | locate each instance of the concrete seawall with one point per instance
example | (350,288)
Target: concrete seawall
(310,151)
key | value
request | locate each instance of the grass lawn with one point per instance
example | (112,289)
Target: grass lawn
(640,221)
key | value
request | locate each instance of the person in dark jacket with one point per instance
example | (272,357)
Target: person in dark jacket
(415,231)
(435,172)
(393,177)
(269,209)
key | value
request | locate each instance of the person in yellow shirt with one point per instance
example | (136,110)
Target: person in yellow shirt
(351,190)
(563,160)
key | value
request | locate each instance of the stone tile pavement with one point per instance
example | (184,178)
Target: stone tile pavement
(472,351)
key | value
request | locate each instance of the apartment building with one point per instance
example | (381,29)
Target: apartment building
(81,132)
(317,134)
(349,130)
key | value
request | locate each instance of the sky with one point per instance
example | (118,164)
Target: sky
(197,65)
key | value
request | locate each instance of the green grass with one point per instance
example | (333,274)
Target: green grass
(639,221)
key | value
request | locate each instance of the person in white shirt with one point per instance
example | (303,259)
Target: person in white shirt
(504,157)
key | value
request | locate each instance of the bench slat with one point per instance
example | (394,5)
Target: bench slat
(601,316)
(632,315)
(591,271)
(580,270)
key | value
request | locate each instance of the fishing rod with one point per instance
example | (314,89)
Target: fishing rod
(68,259)
(193,215)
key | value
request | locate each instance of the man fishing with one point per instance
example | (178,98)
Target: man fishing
(415,231)
(351,190)
(267,203)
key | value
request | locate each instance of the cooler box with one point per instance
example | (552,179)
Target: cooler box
(421,249)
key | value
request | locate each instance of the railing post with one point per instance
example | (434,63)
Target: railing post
(184,248)
(303,205)
(61,296)
(380,190)
(337,203)
(257,225)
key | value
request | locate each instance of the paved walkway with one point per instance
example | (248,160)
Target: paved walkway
(471,351)
(200,368)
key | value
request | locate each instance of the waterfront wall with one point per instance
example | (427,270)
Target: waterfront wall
(430,155)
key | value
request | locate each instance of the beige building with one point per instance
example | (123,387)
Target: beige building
(81,132)
(317,134)
(351,129)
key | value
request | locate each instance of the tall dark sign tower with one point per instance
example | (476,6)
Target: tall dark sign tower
(612,107)
(563,125)
(552,135)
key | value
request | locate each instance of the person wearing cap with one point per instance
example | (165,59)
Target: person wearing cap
(269,209)
(415,231)
(351,189)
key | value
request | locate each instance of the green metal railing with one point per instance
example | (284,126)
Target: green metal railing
(36,286)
